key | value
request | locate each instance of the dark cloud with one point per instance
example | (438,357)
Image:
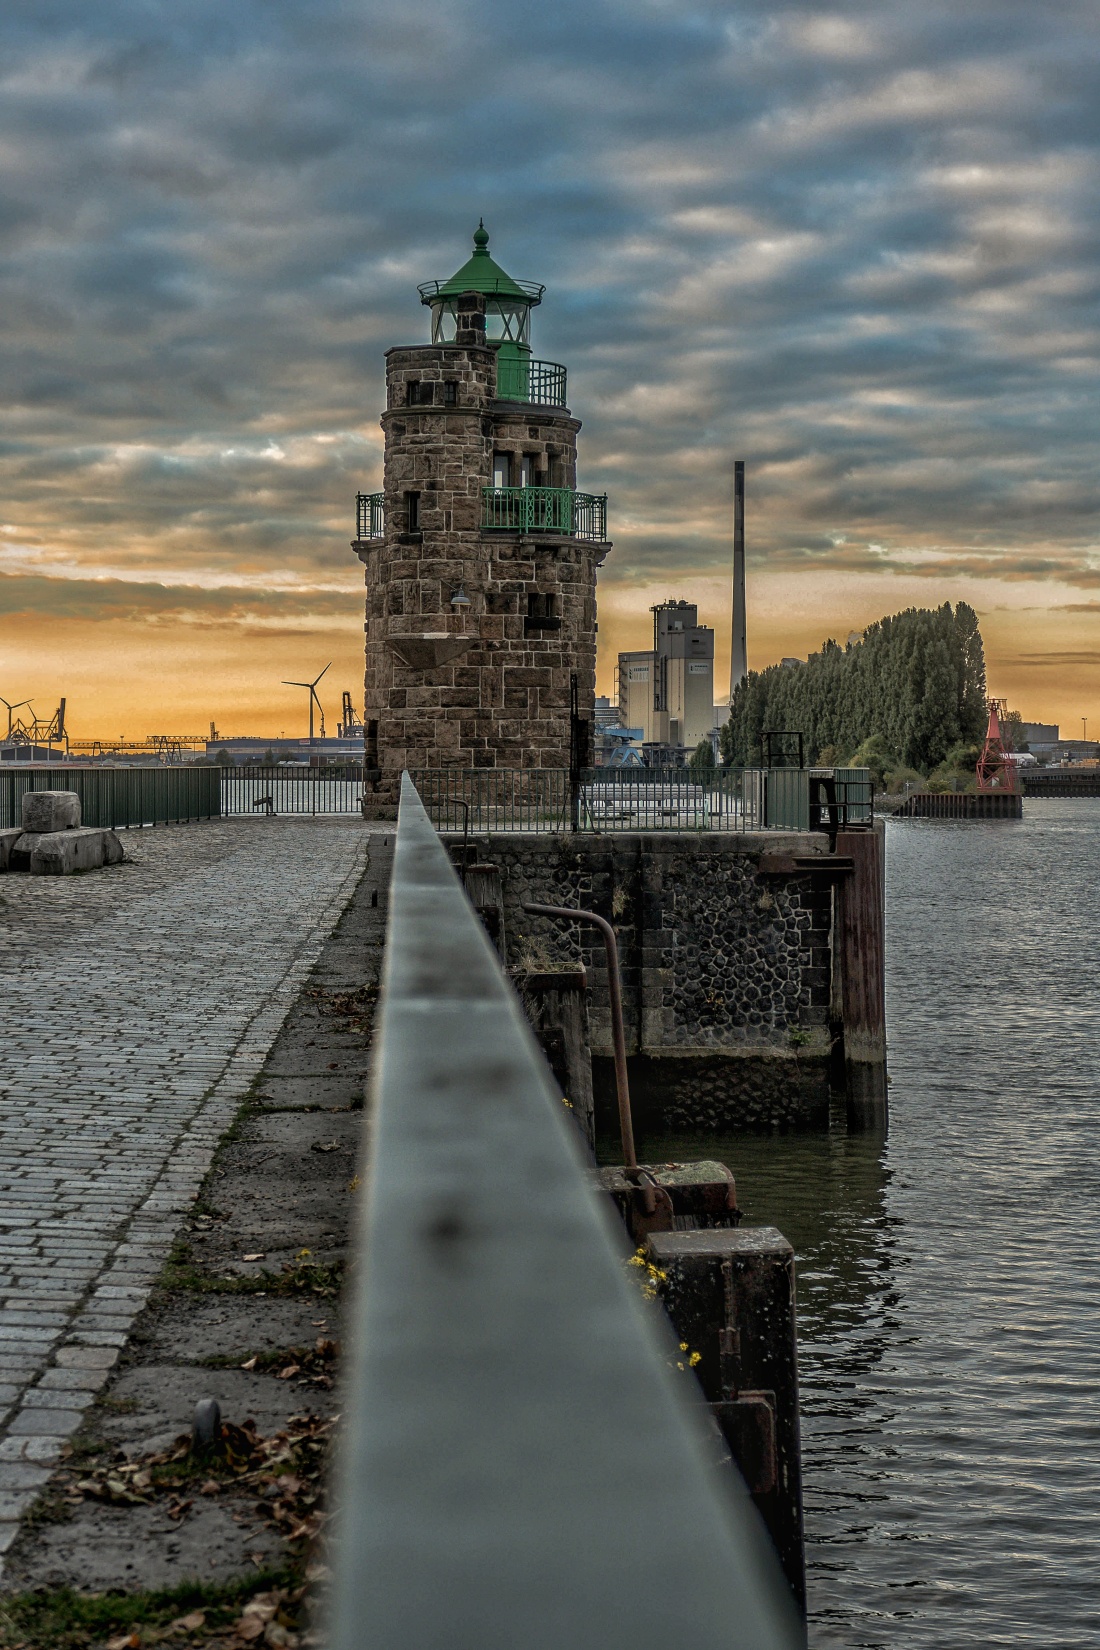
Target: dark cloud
(857,247)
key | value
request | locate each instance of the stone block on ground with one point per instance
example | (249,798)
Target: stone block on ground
(50,811)
(60,853)
(8,839)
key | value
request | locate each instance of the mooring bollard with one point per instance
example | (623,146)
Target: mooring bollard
(730,1296)
(204,1426)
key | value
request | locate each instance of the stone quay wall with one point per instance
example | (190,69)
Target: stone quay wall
(726,973)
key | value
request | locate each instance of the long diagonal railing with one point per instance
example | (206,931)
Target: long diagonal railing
(523,1468)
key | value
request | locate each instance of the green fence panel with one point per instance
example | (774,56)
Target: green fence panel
(787,799)
(114,798)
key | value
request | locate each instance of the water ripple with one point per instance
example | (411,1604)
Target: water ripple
(949,1337)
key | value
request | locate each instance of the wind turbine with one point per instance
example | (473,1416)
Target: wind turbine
(19,706)
(312,686)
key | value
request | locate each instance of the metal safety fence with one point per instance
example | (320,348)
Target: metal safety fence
(113,798)
(256,789)
(645,799)
(510,1400)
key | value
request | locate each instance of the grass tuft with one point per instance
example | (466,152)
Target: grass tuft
(62,1619)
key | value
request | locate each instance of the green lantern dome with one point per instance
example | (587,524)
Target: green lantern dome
(508,303)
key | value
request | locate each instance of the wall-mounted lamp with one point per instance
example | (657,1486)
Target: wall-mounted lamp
(460,600)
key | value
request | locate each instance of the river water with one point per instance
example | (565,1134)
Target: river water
(949,1276)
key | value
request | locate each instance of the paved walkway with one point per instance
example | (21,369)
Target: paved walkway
(138,1004)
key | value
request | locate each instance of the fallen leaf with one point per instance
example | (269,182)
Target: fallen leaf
(249,1627)
(285,1374)
(211,1487)
(251,1364)
(125,1641)
(330,1146)
(319,1323)
(193,1622)
(260,1256)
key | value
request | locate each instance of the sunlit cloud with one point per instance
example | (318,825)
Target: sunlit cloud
(857,248)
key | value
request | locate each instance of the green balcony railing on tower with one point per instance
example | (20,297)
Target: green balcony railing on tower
(545,510)
(540,383)
(370,515)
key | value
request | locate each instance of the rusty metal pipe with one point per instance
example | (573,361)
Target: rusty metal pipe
(618,1036)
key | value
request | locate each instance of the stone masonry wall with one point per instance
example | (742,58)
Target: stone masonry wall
(726,973)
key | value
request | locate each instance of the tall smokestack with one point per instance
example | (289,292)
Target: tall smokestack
(739,662)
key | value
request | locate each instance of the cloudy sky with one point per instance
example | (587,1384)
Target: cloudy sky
(854,245)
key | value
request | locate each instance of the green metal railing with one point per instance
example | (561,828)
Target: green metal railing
(112,798)
(370,515)
(640,799)
(545,510)
(541,383)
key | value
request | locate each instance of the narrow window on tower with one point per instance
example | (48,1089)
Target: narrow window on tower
(542,612)
(412,512)
(502,469)
(419,392)
(527,470)
(450,392)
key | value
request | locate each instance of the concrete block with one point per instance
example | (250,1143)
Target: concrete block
(8,839)
(50,811)
(60,853)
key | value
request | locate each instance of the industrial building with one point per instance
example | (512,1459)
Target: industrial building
(668,691)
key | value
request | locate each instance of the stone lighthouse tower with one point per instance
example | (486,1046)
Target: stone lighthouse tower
(480,553)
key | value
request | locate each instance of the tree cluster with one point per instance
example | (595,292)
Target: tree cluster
(914,685)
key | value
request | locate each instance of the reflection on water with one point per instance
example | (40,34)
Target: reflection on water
(949,1339)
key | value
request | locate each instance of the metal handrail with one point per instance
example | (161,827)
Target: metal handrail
(531,291)
(641,799)
(370,515)
(511,1405)
(539,383)
(545,510)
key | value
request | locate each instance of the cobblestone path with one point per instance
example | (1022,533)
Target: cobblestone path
(138,1004)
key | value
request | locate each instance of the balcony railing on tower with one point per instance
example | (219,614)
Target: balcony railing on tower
(370,515)
(545,510)
(540,383)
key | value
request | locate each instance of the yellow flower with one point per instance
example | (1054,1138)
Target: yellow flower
(696,1358)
